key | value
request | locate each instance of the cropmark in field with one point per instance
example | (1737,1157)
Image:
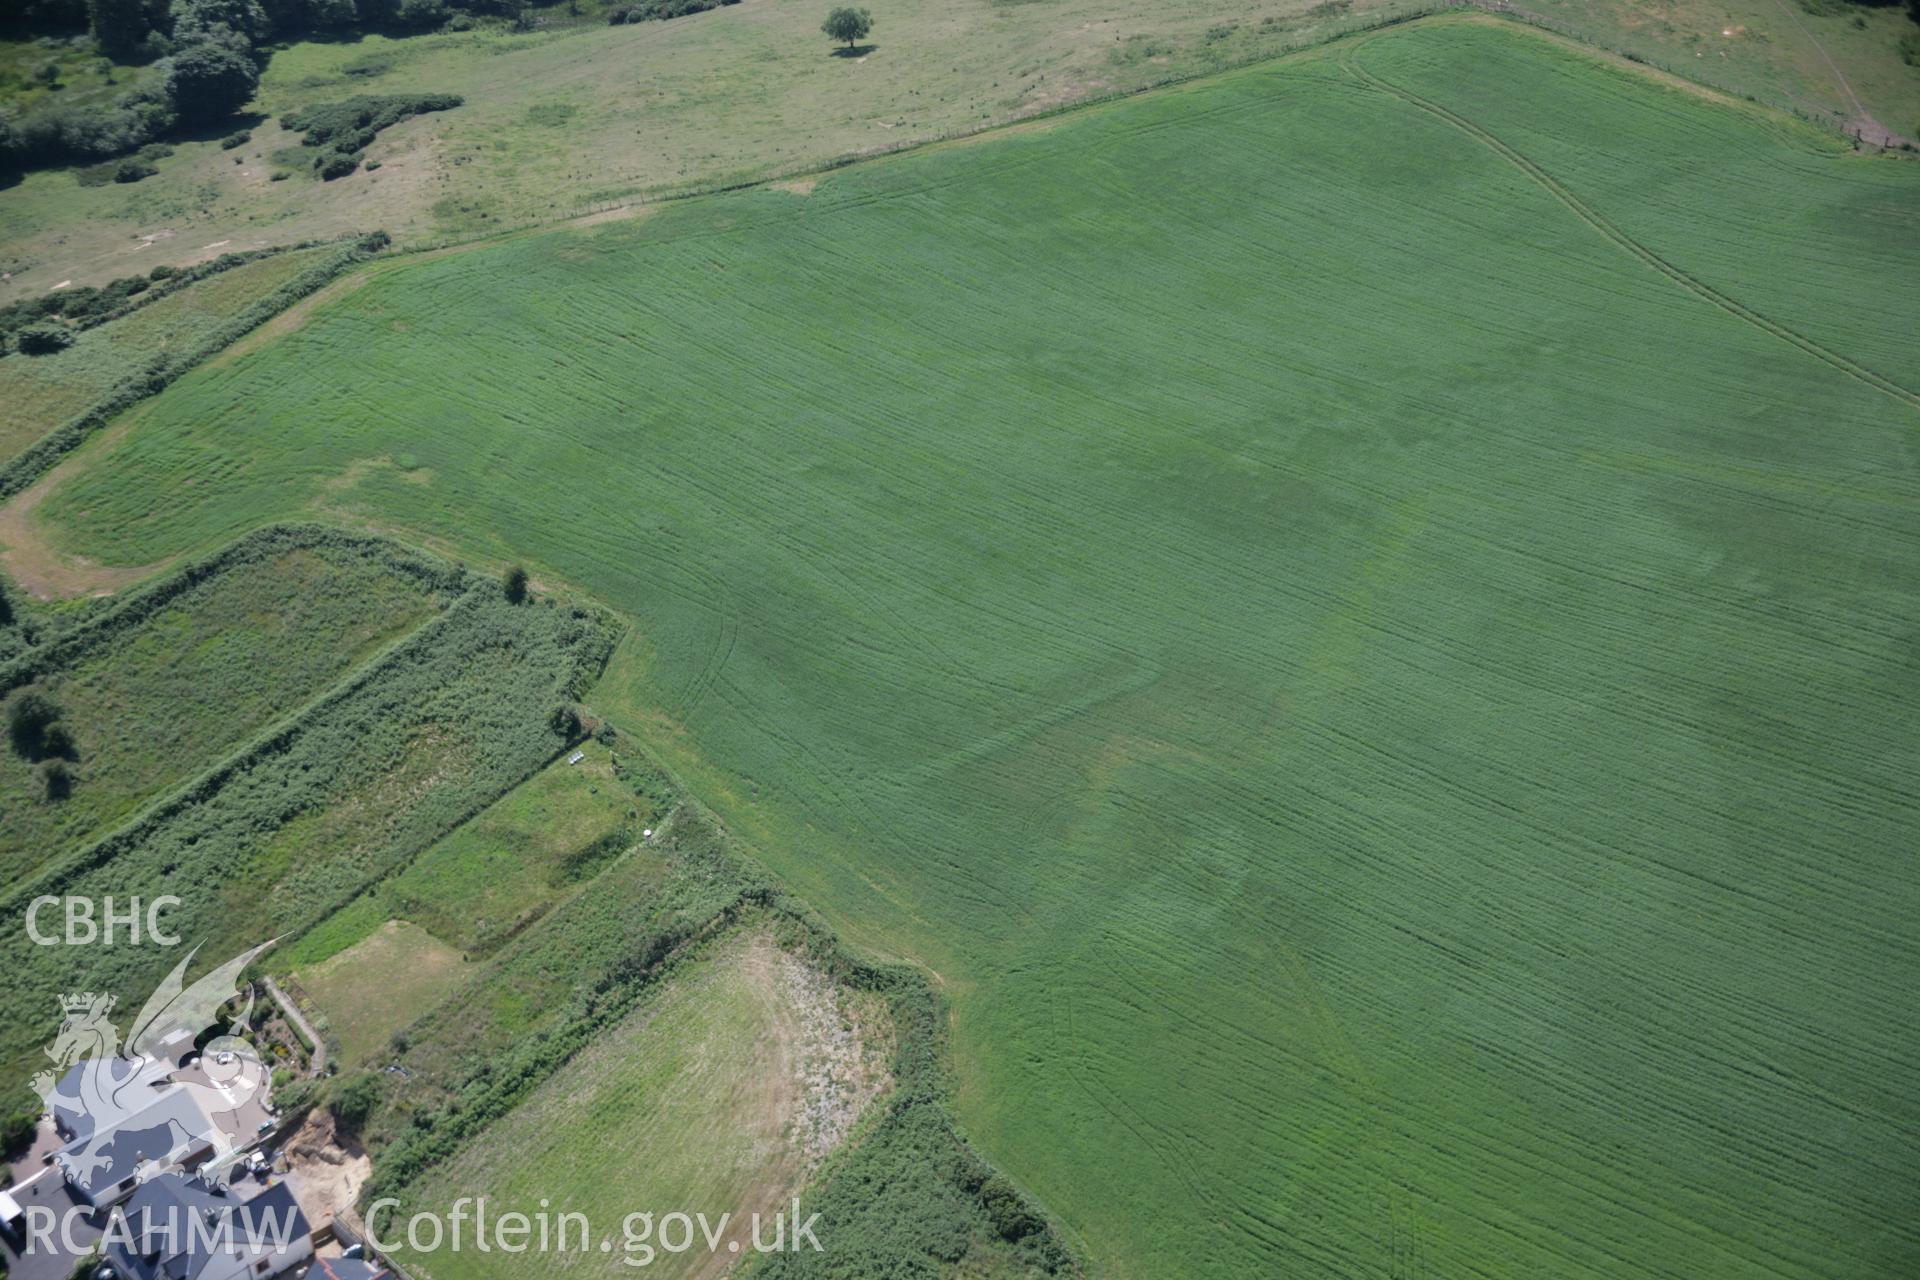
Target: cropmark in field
(1357,615)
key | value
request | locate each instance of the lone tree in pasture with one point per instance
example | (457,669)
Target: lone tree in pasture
(514,583)
(848,24)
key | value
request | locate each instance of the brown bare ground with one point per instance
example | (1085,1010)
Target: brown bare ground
(326,1168)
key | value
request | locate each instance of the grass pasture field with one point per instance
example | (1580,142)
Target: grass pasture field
(705,1099)
(1831,58)
(558,120)
(1357,615)
(380,984)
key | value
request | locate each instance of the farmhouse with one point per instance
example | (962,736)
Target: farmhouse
(186,1228)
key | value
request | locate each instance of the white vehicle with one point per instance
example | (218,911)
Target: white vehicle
(13,1219)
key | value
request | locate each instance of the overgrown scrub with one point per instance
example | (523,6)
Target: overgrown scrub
(909,1198)
(165,680)
(575,974)
(131,168)
(63,135)
(340,132)
(301,819)
(490,880)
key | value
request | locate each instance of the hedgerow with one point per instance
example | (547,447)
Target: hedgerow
(908,1198)
(88,306)
(32,462)
(298,821)
(125,613)
(658,10)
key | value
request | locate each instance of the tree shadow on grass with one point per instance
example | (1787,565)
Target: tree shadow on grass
(214,130)
(855,51)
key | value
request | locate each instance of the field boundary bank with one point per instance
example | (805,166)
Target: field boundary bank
(1593,218)
(668,195)
(920,1067)
(20,472)
(278,736)
(37,459)
(63,647)
(1829,121)
(186,277)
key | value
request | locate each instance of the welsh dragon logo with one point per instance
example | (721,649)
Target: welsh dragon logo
(103,1092)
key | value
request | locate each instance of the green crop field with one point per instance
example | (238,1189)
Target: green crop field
(1357,616)
(578,113)
(557,120)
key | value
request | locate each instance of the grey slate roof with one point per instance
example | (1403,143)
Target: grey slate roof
(129,1080)
(176,1225)
(170,1123)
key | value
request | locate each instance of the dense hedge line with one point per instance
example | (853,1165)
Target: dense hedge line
(907,1198)
(298,821)
(89,306)
(34,461)
(339,132)
(64,647)
(656,10)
